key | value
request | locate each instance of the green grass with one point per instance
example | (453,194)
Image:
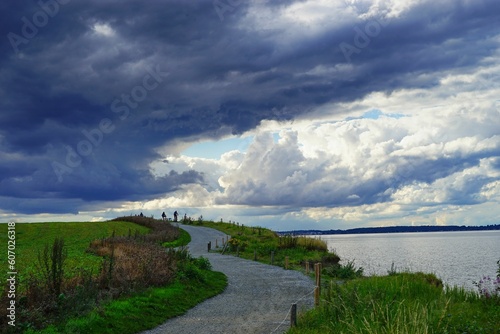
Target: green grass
(183,240)
(400,303)
(32,237)
(134,312)
(146,310)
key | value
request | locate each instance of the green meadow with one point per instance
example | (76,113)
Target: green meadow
(113,271)
(31,239)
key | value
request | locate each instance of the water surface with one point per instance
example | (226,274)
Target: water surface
(458,258)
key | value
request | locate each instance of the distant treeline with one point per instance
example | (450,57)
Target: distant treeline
(395,229)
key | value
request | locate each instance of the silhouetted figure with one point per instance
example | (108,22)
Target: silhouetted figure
(175,216)
(164,216)
(141,215)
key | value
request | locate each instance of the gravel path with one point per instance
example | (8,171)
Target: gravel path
(257,299)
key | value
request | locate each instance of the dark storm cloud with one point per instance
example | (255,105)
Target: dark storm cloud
(84,109)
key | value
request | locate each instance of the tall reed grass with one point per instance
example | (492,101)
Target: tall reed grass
(400,303)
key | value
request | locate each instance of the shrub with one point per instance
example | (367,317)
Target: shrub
(193,269)
(347,271)
(203,263)
(330,259)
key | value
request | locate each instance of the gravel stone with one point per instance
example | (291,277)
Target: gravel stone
(257,299)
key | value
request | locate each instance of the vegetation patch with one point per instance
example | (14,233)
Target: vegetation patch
(133,270)
(400,303)
(267,246)
(183,240)
(147,309)
(32,238)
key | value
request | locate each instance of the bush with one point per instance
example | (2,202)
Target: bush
(194,269)
(330,259)
(347,271)
(130,264)
(235,243)
(203,263)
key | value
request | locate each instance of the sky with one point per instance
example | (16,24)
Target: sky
(284,114)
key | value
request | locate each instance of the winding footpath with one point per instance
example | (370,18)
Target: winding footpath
(257,299)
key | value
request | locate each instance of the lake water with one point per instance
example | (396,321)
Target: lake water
(458,258)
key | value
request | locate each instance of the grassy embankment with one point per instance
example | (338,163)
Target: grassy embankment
(128,288)
(400,303)
(397,303)
(250,242)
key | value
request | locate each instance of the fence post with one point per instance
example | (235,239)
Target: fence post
(316,296)
(293,316)
(238,251)
(307,267)
(317,291)
(255,255)
(209,246)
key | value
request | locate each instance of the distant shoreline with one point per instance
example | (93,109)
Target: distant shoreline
(394,229)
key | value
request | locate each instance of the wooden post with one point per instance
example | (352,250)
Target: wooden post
(316,296)
(216,244)
(272,258)
(317,291)
(293,316)
(307,267)
(209,246)
(320,267)
(318,274)
(255,255)
(286,262)
(238,251)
